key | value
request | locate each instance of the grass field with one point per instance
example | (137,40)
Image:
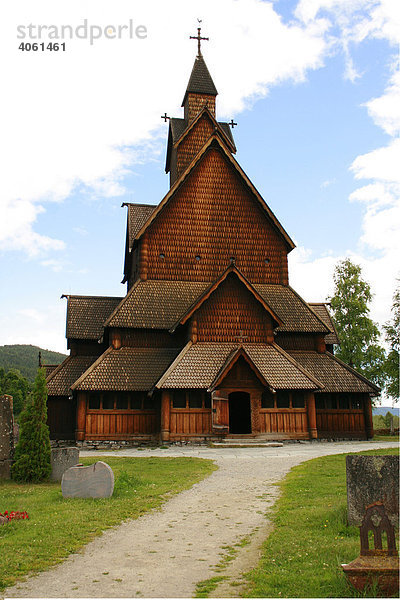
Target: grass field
(302,556)
(58,526)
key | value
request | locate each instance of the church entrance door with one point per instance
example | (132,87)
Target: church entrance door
(239,412)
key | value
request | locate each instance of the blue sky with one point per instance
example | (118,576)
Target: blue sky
(313,84)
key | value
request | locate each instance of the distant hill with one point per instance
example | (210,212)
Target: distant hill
(25,358)
(382,410)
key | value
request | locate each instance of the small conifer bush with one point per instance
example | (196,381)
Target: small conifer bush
(33,454)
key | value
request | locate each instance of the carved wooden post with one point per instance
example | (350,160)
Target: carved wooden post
(369,423)
(81,417)
(312,416)
(165,415)
(255,411)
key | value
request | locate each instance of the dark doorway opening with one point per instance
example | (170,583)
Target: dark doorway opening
(239,412)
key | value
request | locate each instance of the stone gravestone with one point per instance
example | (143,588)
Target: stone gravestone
(372,479)
(61,460)
(95,481)
(6,436)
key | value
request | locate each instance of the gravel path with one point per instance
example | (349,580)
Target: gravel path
(164,554)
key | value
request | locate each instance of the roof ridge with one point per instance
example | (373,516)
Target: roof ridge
(58,368)
(92,367)
(123,300)
(309,308)
(296,364)
(352,370)
(174,363)
(81,296)
(204,111)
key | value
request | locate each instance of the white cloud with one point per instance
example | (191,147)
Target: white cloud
(381,203)
(79,118)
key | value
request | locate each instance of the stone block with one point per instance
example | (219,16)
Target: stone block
(95,481)
(6,435)
(61,460)
(372,479)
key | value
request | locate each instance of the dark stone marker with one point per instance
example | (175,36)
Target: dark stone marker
(6,436)
(61,460)
(372,479)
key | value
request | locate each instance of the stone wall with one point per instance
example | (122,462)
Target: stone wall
(6,436)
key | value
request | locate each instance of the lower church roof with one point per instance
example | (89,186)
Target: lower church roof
(60,380)
(334,374)
(198,365)
(126,369)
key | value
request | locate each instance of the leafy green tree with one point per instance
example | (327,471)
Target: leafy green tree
(17,386)
(392,337)
(32,454)
(358,334)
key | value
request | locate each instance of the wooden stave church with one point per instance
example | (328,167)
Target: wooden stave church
(210,340)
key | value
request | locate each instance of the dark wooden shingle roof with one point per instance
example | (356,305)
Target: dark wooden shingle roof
(155,304)
(126,369)
(198,365)
(335,375)
(86,315)
(321,309)
(291,308)
(200,81)
(60,380)
(137,217)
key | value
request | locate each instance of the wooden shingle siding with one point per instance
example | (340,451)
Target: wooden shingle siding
(194,104)
(211,218)
(193,142)
(230,313)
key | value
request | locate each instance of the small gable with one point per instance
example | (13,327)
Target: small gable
(232,314)
(240,373)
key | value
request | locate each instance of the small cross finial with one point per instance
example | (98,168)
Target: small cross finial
(198,38)
(232,123)
(165,117)
(241,337)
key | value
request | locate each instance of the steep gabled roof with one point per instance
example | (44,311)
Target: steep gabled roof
(295,313)
(200,81)
(321,309)
(126,369)
(334,374)
(214,142)
(198,366)
(86,315)
(155,304)
(61,379)
(179,129)
(207,293)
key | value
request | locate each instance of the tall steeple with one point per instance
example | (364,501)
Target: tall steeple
(201,89)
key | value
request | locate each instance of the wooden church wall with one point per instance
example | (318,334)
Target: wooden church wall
(193,143)
(232,312)
(207,224)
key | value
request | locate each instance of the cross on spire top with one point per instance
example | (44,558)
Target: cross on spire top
(198,38)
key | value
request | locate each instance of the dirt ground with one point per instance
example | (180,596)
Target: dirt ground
(165,553)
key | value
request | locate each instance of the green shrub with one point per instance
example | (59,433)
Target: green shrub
(33,454)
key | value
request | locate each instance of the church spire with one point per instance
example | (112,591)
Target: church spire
(200,90)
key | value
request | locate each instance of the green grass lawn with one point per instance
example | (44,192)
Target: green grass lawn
(302,556)
(59,526)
